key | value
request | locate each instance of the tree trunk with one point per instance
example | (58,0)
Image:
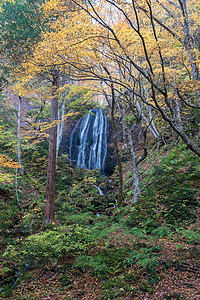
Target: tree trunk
(61,124)
(152,126)
(16,189)
(178,114)
(49,211)
(136,189)
(124,124)
(62,114)
(19,135)
(119,163)
(188,43)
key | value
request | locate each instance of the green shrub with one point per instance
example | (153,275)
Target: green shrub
(145,257)
(109,261)
(162,231)
(191,236)
(145,286)
(171,187)
(49,246)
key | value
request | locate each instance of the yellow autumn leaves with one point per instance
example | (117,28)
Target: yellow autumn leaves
(6,162)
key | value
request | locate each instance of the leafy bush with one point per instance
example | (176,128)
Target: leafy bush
(145,257)
(108,262)
(171,186)
(49,246)
(191,236)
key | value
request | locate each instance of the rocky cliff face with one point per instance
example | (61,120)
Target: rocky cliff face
(110,160)
(68,128)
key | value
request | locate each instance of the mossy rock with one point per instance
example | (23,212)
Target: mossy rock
(6,273)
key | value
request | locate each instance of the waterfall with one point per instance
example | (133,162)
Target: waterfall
(88,141)
(100,191)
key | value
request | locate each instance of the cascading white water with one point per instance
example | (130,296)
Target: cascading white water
(100,191)
(88,141)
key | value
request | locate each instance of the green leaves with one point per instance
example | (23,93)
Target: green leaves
(171,185)
(49,246)
(192,236)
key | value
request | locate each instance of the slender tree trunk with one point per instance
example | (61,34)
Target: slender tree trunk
(61,116)
(119,163)
(16,188)
(178,111)
(38,118)
(152,126)
(18,149)
(49,211)
(19,135)
(61,124)
(136,189)
(124,124)
(188,41)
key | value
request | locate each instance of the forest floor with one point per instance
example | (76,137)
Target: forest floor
(148,251)
(180,281)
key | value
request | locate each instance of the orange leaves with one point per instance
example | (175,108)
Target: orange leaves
(44,128)
(6,162)
(123,35)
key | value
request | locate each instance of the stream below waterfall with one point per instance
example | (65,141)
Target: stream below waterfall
(100,191)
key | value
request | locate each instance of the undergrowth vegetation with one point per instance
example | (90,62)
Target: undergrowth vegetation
(126,249)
